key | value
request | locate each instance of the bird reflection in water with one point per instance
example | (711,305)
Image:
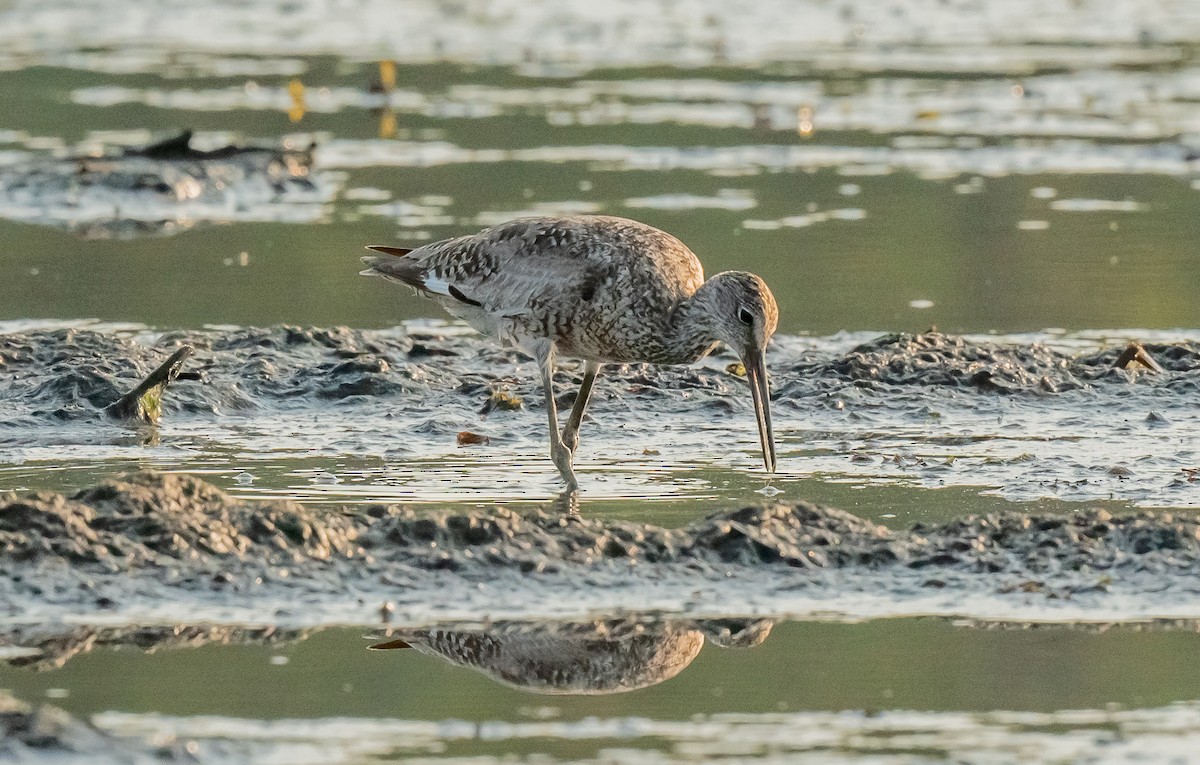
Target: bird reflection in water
(580,658)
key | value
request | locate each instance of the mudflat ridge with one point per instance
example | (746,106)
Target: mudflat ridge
(165,538)
(147,521)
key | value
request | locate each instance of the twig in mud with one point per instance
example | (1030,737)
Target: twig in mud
(144,402)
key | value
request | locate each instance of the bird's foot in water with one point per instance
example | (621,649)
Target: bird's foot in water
(567,502)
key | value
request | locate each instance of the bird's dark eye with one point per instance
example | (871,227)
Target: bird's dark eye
(745,317)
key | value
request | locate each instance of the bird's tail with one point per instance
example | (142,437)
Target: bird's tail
(390,645)
(393,265)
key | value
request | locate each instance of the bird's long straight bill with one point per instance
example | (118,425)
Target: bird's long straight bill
(756,373)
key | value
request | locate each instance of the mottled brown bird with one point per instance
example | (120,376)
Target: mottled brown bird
(598,288)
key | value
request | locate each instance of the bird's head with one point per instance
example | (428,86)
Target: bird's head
(743,315)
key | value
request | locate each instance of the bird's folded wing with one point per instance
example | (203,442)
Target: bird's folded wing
(505,278)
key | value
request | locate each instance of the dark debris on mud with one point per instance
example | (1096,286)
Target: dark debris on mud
(72,374)
(150,525)
(164,182)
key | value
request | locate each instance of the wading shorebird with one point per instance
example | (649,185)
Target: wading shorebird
(597,288)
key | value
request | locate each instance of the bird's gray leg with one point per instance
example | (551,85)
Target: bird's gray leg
(558,450)
(570,434)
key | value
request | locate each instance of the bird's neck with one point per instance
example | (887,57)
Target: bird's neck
(691,334)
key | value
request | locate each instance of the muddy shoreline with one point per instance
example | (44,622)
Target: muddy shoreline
(1074,419)
(68,373)
(153,549)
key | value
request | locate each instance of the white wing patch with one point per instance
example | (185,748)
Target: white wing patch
(435,285)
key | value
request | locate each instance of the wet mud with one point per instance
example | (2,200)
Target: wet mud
(1076,419)
(152,543)
(65,374)
(158,189)
(68,373)
(936,359)
(146,521)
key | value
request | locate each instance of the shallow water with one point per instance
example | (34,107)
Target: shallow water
(929,690)
(1021,174)
(1044,180)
